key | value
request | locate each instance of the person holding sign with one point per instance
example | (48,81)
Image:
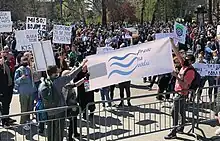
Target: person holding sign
(51,91)
(5,82)
(184,80)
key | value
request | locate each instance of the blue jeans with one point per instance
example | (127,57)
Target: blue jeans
(105,95)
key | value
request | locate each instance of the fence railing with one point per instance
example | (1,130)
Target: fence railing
(117,122)
(58,124)
(207,105)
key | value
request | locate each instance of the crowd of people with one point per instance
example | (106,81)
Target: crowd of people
(55,88)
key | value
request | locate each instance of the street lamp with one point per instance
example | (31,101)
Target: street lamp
(200,16)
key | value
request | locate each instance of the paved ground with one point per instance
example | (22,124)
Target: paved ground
(140,122)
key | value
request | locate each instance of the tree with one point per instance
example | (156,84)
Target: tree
(121,11)
(104,13)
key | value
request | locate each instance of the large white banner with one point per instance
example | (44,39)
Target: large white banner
(36,23)
(43,55)
(207,69)
(180,32)
(148,59)
(5,21)
(62,34)
(25,38)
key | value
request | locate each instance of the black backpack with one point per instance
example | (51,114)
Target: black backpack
(196,81)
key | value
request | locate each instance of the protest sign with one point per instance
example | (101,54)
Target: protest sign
(129,63)
(218,32)
(165,35)
(39,57)
(48,51)
(101,50)
(43,55)
(180,32)
(62,34)
(25,38)
(207,69)
(5,21)
(36,23)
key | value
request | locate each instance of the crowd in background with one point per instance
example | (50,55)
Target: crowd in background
(17,68)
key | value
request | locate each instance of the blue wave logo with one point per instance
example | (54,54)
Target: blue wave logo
(118,62)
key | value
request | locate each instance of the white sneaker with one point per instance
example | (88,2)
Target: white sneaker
(26,127)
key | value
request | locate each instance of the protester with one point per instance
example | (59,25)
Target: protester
(5,82)
(183,81)
(26,89)
(51,91)
(84,96)
(71,100)
(105,96)
(125,86)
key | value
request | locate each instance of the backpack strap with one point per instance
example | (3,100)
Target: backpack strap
(188,69)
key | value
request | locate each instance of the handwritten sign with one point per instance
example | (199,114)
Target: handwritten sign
(25,38)
(207,69)
(62,34)
(36,23)
(101,50)
(5,21)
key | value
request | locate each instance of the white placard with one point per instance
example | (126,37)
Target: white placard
(147,59)
(180,32)
(101,50)
(43,55)
(39,59)
(36,23)
(25,38)
(218,32)
(48,51)
(207,69)
(5,21)
(62,34)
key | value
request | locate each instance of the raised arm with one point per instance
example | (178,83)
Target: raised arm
(66,79)
(179,57)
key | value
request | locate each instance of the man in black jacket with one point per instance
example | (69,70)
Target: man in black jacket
(4,83)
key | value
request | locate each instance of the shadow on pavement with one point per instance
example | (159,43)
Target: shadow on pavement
(99,135)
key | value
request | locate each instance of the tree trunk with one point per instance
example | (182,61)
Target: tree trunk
(210,11)
(155,10)
(104,13)
(218,10)
(142,12)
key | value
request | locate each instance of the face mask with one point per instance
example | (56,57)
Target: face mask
(25,64)
(54,76)
(186,63)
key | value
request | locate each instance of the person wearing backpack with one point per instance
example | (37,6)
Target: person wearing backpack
(51,91)
(184,80)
